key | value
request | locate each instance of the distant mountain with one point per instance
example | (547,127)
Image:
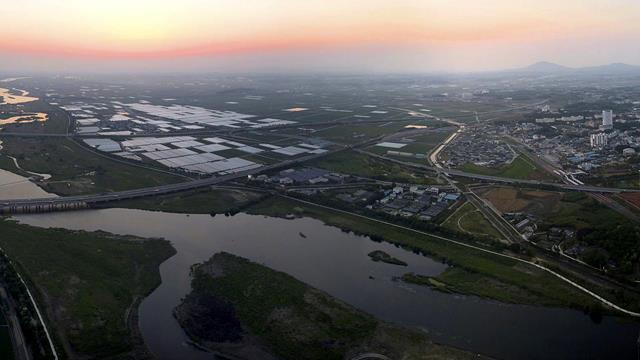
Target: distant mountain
(615,68)
(545,67)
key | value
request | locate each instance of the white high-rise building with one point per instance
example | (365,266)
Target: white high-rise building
(607,119)
(599,140)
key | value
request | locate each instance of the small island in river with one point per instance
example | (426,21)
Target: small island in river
(244,310)
(379,255)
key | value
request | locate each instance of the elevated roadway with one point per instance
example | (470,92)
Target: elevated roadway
(490,178)
(85,201)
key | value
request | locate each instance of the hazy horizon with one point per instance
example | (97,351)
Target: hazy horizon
(315,36)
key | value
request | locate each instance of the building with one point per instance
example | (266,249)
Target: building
(607,119)
(599,140)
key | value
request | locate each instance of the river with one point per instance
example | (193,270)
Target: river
(337,262)
(14,187)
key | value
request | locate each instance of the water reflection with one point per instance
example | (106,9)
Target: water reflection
(337,263)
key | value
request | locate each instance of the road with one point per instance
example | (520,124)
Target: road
(44,204)
(79,201)
(556,172)
(495,219)
(460,173)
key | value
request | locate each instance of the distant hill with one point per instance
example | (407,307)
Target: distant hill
(545,67)
(615,68)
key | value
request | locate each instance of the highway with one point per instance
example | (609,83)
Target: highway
(460,173)
(47,204)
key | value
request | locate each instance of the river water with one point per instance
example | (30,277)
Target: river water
(14,187)
(337,262)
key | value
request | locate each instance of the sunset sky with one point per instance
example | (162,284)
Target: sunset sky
(299,35)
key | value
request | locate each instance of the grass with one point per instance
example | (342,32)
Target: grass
(56,124)
(554,208)
(468,219)
(596,225)
(350,162)
(461,281)
(350,133)
(382,256)
(88,282)
(296,321)
(520,168)
(540,287)
(423,144)
(75,170)
(216,201)
(625,182)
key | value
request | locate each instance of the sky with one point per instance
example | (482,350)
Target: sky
(315,35)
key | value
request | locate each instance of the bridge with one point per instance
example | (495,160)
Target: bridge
(86,201)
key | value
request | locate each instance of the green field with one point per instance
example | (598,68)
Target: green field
(350,162)
(57,123)
(628,181)
(421,144)
(595,224)
(461,281)
(468,219)
(216,201)
(75,170)
(87,282)
(291,319)
(538,286)
(520,168)
(349,133)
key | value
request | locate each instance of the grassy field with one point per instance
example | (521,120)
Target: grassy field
(553,208)
(468,219)
(87,282)
(628,181)
(216,201)
(6,349)
(596,225)
(349,162)
(57,122)
(77,171)
(349,133)
(461,281)
(520,168)
(421,145)
(291,319)
(538,286)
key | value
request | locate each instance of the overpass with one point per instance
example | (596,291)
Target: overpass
(460,173)
(86,201)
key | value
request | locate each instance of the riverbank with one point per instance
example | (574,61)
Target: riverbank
(534,285)
(74,170)
(349,275)
(87,282)
(237,306)
(504,280)
(211,201)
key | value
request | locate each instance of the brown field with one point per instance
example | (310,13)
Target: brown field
(632,198)
(537,202)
